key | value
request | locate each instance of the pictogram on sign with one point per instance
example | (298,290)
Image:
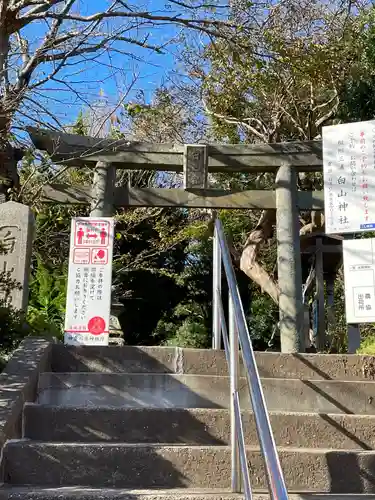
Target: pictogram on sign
(81,256)
(92,233)
(99,256)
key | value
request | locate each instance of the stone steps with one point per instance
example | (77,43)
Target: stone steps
(24,493)
(193,426)
(160,390)
(119,465)
(152,423)
(130,359)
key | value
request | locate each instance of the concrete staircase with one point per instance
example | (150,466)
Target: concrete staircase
(153,424)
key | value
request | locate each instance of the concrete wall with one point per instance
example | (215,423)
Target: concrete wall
(18,383)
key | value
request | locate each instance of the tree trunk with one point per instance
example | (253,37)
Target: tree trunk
(248,263)
(9,156)
(262,233)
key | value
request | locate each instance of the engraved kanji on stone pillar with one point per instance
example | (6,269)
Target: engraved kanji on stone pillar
(195,166)
(16,235)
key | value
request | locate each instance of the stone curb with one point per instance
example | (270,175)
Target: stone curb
(18,383)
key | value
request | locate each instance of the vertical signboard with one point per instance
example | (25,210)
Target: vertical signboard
(88,301)
(349,177)
(359,272)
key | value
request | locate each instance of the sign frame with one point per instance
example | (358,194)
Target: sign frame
(88,301)
(349,177)
(359,278)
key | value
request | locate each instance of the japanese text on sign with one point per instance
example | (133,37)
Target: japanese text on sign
(349,177)
(89,282)
(359,270)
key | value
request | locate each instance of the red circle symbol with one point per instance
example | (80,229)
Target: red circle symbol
(100,254)
(96,325)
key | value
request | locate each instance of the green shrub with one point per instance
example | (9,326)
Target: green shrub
(190,334)
(46,311)
(367,345)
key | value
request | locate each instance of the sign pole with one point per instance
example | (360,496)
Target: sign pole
(319,284)
(354,338)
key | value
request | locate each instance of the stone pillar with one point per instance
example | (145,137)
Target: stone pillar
(16,235)
(102,205)
(115,332)
(103,190)
(289,261)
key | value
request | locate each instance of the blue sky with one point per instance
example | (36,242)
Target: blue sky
(113,74)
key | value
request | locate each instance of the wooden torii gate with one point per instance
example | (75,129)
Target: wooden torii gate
(196,161)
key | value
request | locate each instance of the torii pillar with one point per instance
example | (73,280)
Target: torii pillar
(289,261)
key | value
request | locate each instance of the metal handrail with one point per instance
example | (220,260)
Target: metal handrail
(239,337)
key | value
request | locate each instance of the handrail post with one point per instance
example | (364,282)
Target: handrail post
(242,451)
(275,476)
(216,292)
(233,373)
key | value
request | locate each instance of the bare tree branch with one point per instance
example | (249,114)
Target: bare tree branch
(200,6)
(99,16)
(236,121)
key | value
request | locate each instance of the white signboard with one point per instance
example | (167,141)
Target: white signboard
(359,271)
(349,177)
(88,301)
